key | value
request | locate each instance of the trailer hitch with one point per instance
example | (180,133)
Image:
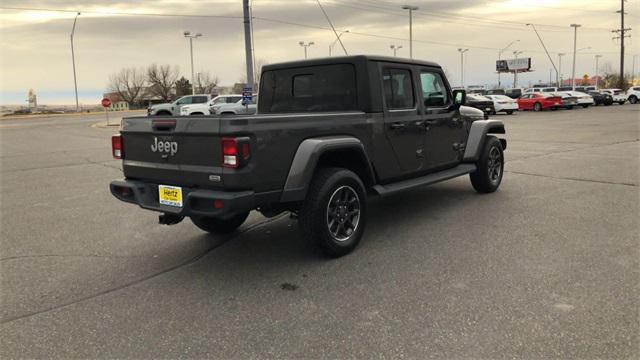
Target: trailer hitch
(169,219)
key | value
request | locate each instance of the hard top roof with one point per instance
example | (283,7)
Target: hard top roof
(347,59)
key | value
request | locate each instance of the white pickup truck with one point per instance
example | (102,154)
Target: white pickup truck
(209,108)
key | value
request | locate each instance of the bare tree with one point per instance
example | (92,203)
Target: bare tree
(129,85)
(206,83)
(161,80)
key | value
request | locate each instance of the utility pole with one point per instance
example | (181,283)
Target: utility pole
(500,58)
(188,35)
(462,51)
(73,61)
(515,71)
(411,9)
(306,47)
(573,68)
(621,36)
(597,68)
(248,42)
(560,55)
(395,49)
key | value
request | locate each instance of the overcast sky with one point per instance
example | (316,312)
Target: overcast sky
(36,52)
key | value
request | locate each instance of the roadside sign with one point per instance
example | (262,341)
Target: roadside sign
(247,95)
(106,102)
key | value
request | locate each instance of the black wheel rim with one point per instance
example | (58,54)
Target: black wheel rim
(343,213)
(494,166)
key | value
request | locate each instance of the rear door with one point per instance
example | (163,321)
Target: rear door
(403,123)
(445,130)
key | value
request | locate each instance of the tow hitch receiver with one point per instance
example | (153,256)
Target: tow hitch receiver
(169,219)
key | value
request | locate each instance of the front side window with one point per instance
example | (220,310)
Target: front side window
(398,89)
(434,92)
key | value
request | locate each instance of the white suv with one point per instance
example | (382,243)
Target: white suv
(209,108)
(633,94)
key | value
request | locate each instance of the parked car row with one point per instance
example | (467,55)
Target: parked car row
(202,104)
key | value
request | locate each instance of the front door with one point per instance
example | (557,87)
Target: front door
(402,120)
(446,132)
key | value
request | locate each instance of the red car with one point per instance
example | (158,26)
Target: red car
(537,102)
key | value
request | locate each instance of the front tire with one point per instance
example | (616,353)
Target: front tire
(585,106)
(333,216)
(621,102)
(488,176)
(219,226)
(633,99)
(509,112)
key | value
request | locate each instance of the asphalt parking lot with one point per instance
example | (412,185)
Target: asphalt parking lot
(547,267)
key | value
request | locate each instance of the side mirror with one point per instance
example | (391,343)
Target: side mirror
(459,97)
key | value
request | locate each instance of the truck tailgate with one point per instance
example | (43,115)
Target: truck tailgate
(173,151)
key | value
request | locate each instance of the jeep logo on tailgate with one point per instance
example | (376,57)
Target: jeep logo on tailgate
(160,146)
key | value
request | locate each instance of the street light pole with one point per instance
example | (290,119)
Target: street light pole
(573,68)
(560,55)
(411,9)
(515,71)
(597,68)
(190,36)
(305,46)
(336,41)
(500,58)
(395,49)
(462,51)
(73,61)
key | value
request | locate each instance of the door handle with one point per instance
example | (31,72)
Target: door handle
(397,125)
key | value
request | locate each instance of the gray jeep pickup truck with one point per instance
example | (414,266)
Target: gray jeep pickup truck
(328,134)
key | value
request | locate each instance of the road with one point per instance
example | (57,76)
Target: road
(547,267)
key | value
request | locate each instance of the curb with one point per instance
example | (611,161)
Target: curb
(103,125)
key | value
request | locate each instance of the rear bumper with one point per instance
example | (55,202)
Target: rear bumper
(195,201)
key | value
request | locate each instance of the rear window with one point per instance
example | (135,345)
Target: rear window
(313,88)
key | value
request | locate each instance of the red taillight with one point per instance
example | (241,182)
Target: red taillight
(230,152)
(218,204)
(116,146)
(235,152)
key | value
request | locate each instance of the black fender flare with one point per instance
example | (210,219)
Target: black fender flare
(477,135)
(306,159)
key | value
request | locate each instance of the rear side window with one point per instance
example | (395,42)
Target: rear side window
(199,99)
(313,88)
(398,89)
(233,99)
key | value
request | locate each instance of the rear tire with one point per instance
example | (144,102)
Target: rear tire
(621,102)
(633,99)
(585,106)
(488,176)
(537,107)
(509,112)
(333,216)
(219,226)
(163,113)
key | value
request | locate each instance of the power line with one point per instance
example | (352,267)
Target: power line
(284,22)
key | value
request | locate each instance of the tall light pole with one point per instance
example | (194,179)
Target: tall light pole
(306,46)
(500,58)
(190,36)
(560,55)
(573,68)
(515,71)
(248,44)
(411,9)
(73,61)
(597,68)
(633,70)
(336,40)
(395,49)
(462,51)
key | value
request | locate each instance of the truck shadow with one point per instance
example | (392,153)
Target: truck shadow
(280,243)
